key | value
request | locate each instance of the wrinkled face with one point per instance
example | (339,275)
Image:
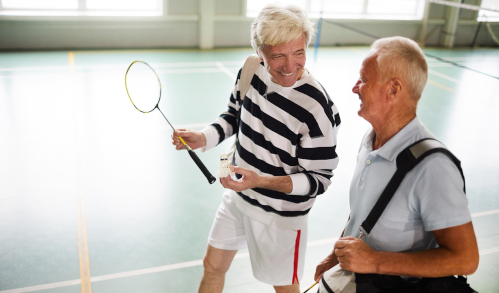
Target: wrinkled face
(285,62)
(370,92)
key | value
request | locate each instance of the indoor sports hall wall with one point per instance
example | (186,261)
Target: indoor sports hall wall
(206,24)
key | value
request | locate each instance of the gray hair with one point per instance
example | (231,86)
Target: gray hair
(403,58)
(277,24)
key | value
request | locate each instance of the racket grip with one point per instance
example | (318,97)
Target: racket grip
(202,167)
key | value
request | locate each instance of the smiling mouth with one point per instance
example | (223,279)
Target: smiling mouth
(287,74)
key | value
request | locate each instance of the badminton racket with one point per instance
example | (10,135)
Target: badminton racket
(310,287)
(143,84)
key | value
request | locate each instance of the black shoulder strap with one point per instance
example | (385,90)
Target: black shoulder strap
(406,161)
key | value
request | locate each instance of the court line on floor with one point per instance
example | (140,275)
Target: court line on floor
(83,255)
(176,266)
(188,264)
(486,213)
(226,71)
(439,85)
(176,68)
(86,282)
(195,263)
(44,287)
(192,125)
(444,76)
(488,251)
(201,65)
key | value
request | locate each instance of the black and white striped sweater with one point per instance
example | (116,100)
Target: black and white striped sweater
(282,131)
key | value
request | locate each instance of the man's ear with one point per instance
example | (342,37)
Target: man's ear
(260,55)
(395,87)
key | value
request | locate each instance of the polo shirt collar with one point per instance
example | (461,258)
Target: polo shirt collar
(397,143)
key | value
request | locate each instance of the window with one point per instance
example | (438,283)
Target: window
(81,7)
(352,9)
(486,15)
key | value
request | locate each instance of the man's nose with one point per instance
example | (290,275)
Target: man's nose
(355,88)
(289,65)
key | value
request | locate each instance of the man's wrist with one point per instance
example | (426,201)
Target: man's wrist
(277,183)
(263,182)
(203,140)
(377,262)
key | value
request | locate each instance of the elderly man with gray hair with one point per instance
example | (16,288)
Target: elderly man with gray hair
(286,128)
(424,232)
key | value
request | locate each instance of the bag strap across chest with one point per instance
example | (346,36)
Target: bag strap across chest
(249,68)
(406,161)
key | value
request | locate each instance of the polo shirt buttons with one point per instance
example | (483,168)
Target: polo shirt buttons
(368,162)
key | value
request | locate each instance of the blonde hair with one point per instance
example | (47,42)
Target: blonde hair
(277,24)
(403,58)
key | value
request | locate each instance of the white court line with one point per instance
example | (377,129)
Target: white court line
(463,59)
(237,63)
(480,214)
(490,250)
(188,70)
(433,65)
(194,263)
(177,266)
(44,287)
(321,242)
(226,71)
(192,125)
(163,71)
(120,66)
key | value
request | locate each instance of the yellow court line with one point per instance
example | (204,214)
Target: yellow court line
(86,285)
(359,51)
(71,59)
(439,85)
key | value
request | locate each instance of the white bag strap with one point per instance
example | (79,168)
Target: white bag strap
(249,68)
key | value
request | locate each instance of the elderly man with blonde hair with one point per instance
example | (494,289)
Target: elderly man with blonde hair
(286,129)
(426,229)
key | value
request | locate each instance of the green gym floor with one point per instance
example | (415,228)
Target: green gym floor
(94,198)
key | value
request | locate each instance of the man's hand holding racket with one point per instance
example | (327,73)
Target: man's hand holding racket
(195,139)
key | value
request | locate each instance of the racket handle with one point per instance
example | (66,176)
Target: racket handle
(202,167)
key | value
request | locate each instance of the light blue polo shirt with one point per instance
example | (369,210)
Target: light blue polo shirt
(430,197)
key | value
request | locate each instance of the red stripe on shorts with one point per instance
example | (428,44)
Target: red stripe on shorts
(297,253)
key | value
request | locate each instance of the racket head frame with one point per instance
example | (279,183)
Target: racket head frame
(159,82)
(159,99)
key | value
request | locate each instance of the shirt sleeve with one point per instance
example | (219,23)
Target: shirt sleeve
(225,125)
(317,157)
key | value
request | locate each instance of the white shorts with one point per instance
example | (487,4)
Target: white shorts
(277,255)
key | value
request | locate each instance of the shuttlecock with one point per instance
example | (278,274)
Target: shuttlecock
(224,170)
